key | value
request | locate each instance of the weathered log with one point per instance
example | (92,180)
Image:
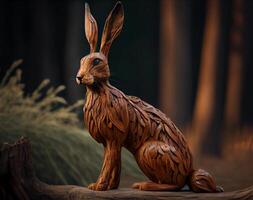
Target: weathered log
(18,181)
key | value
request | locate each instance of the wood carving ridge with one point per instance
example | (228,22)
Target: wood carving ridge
(117,120)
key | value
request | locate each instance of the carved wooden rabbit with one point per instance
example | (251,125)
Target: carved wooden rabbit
(117,120)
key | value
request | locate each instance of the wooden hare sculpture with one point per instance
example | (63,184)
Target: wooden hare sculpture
(117,120)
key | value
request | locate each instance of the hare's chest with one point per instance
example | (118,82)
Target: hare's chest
(107,117)
(95,117)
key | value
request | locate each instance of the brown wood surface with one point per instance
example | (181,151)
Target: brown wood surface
(18,181)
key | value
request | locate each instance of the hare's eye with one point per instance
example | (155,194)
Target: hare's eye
(96,61)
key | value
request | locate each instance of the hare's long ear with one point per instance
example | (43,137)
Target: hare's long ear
(112,28)
(91,29)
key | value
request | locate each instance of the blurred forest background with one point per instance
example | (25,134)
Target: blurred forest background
(190,58)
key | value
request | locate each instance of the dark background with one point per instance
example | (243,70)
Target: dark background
(190,58)
(49,37)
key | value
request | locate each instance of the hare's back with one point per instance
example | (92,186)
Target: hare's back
(161,127)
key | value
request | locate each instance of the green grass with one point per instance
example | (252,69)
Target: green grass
(63,152)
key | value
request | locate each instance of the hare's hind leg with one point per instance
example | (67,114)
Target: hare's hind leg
(155,160)
(151,186)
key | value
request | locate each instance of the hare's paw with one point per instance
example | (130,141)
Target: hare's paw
(98,186)
(102,187)
(92,186)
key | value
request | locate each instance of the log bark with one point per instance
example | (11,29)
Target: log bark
(18,181)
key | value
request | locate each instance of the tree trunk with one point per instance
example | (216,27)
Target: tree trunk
(235,71)
(175,70)
(204,117)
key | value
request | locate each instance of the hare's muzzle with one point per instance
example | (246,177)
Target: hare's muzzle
(79,80)
(86,80)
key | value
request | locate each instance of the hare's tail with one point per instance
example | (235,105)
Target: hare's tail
(201,181)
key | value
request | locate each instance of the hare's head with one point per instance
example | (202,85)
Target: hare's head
(94,68)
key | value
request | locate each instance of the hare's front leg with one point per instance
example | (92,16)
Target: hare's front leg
(109,177)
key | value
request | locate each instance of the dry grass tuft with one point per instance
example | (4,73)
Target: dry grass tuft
(43,105)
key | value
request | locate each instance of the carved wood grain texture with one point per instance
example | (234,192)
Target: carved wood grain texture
(117,120)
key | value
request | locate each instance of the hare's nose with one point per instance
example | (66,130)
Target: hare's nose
(79,78)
